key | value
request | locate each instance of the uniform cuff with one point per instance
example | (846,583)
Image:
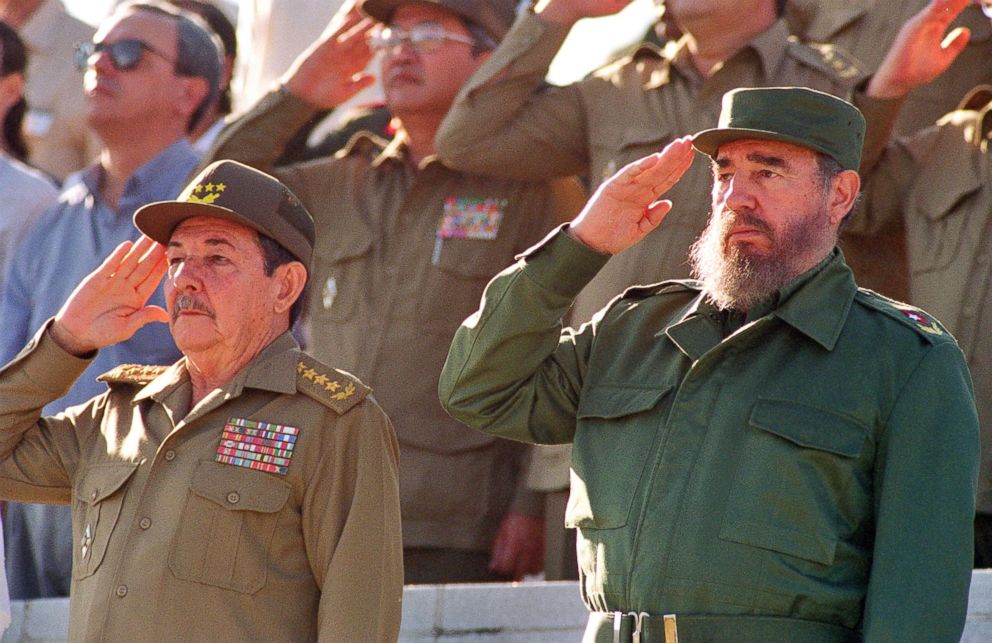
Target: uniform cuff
(562,264)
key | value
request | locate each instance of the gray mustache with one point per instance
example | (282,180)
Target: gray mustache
(188,302)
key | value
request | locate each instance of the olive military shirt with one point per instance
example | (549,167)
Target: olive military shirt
(170,543)
(938,183)
(816,461)
(505,124)
(402,256)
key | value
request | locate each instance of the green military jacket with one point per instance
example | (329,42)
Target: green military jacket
(504,123)
(402,256)
(177,537)
(938,184)
(817,463)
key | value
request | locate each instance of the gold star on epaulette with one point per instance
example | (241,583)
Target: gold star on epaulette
(332,385)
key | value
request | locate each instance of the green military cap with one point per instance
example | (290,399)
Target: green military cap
(235,192)
(797,115)
(494,16)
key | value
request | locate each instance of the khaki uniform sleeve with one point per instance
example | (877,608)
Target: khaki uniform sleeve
(506,123)
(512,371)
(258,137)
(38,455)
(351,526)
(925,480)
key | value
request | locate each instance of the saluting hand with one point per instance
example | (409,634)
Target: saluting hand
(109,305)
(330,71)
(568,12)
(921,51)
(626,208)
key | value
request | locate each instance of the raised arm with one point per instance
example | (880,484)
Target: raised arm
(512,370)
(506,122)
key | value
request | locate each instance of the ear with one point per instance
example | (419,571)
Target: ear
(844,192)
(11,90)
(291,278)
(192,91)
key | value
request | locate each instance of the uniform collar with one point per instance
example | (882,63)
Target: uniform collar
(274,369)
(770,46)
(824,24)
(816,304)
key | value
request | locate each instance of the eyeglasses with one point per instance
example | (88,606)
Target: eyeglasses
(425,38)
(124,54)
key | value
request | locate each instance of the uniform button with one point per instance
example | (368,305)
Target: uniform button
(145,523)
(170,455)
(93,494)
(234,497)
(121,591)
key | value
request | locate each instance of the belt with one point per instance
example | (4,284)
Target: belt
(640,627)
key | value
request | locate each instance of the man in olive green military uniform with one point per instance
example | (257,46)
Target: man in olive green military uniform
(247,492)
(767,454)
(405,247)
(938,183)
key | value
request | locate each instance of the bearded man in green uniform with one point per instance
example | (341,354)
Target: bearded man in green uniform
(766,454)
(247,492)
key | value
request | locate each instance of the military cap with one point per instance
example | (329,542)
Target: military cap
(494,16)
(235,192)
(796,115)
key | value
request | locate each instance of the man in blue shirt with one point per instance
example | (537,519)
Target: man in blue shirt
(149,74)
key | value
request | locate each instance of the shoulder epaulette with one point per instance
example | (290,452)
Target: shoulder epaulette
(333,388)
(919,320)
(668,287)
(829,58)
(140,374)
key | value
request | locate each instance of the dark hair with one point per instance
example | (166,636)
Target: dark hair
(198,51)
(780,7)
(13,60)
(273,256)
(219,23)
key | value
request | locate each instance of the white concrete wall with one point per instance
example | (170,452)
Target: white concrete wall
(497,613)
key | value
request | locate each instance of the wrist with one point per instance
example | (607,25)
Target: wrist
(69,342)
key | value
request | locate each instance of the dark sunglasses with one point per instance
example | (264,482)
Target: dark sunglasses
(124,54)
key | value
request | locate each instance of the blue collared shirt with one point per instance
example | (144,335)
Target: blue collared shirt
(71,239)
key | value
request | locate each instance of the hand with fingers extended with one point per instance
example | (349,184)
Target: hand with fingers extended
(331,70)
(110,304)
(921,50)
(626,208)
(568,12)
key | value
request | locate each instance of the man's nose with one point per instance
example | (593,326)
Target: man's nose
(185,276)
(738,193)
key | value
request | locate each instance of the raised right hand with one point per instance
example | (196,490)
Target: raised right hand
(626,207)
(331,70)
(109,305)
(568,12)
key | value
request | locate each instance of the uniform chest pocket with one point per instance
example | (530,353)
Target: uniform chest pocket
(801,482)
(341,276)
(98,498)
(226,530)
(617,427)
(943,236)
(617,145)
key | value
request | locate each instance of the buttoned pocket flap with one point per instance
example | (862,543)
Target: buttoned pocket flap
(346,242)
(240,489)
(103,480)
(810,427)
(604,401)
